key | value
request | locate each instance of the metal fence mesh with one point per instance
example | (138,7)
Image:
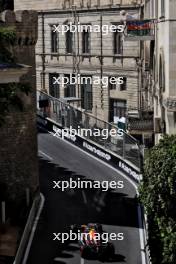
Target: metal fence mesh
(68,116)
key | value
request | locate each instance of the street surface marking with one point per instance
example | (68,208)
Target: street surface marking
(82,261)
(44,154)
(84,197)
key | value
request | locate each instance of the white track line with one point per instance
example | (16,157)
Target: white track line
(44,154)
(33,229)
(84,197)
(82,261)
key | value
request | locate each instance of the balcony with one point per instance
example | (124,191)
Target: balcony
(138,126)
(170,104)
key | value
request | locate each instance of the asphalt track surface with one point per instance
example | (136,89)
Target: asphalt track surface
(116,210)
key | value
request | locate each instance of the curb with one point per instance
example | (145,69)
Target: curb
(34,228)
(21,257)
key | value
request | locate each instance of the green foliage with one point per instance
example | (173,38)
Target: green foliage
(9,93)
(7,34)
(158,194)
(10,98)
(7,37)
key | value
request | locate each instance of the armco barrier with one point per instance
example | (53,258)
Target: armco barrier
(108,156)
(29,228)
(68,116)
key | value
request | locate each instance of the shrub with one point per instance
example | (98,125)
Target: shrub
(158,195)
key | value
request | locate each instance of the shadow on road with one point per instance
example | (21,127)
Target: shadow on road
(63,209)
(83,206)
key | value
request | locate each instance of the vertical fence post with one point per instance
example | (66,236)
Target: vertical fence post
(66,115)
(124,144)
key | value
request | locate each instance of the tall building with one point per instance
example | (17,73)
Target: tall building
(88,54)
(160,66)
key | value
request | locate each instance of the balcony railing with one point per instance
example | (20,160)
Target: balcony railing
(68,116)
(170,104)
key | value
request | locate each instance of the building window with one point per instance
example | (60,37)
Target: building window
(112,86)
(54,89)
(85,42)
(117,43)
(162,8)
(86,94)
(69,89)
(123,86)
(117,109)
(161,75)
(54,40)
(120,87)
(69,42)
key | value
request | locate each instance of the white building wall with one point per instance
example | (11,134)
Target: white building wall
(165,45)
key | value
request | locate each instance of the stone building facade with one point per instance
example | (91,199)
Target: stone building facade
(160,56)
(92,54)
(18,135)
(65,4)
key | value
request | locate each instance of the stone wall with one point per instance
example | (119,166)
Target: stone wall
(18,135)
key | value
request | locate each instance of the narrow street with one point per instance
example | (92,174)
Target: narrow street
(115,210)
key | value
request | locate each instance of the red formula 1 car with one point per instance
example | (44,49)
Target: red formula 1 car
(91,242)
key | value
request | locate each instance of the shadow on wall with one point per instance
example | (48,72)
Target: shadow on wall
(6,4)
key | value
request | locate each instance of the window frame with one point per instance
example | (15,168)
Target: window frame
(68,43)
(54,46)
(56,87)
(86,95)
(68,87)
(84,51)
(115,110)
(123,86)
(117,50)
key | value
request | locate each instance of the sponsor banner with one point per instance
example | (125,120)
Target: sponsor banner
(95,150)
